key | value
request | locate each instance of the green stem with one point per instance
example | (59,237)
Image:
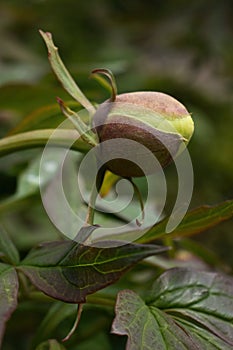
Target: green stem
(87,135)
(138,194)
(39,138)
(94,194)
(91,206)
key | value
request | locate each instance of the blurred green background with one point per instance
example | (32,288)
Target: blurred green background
(183,49)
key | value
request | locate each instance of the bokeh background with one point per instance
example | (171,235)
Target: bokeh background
(181,48)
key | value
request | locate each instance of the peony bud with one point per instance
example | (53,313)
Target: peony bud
(151,119)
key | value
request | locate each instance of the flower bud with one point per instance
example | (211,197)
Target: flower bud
(154,120)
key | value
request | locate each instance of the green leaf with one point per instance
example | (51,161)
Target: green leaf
(8,251)
(63,75)
(39,138)
(87,135)
(8,295)
(187,309)
(50,344)
(194,222)
(70,271)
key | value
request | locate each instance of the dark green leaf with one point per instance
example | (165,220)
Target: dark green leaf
(194,222)
(50,344)
(8,295)
(187,309)
(69,271)
(8,251)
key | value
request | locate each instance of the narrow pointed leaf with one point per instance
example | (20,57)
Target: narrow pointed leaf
(70,271)
(8,251)
(63,75)
(187,309)
(87,135)
(8,295)
(194,222)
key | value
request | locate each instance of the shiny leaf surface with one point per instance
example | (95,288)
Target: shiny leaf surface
(187,309)
(70,271)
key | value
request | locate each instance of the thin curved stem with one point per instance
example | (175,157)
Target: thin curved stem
(75,325)
(111,77)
